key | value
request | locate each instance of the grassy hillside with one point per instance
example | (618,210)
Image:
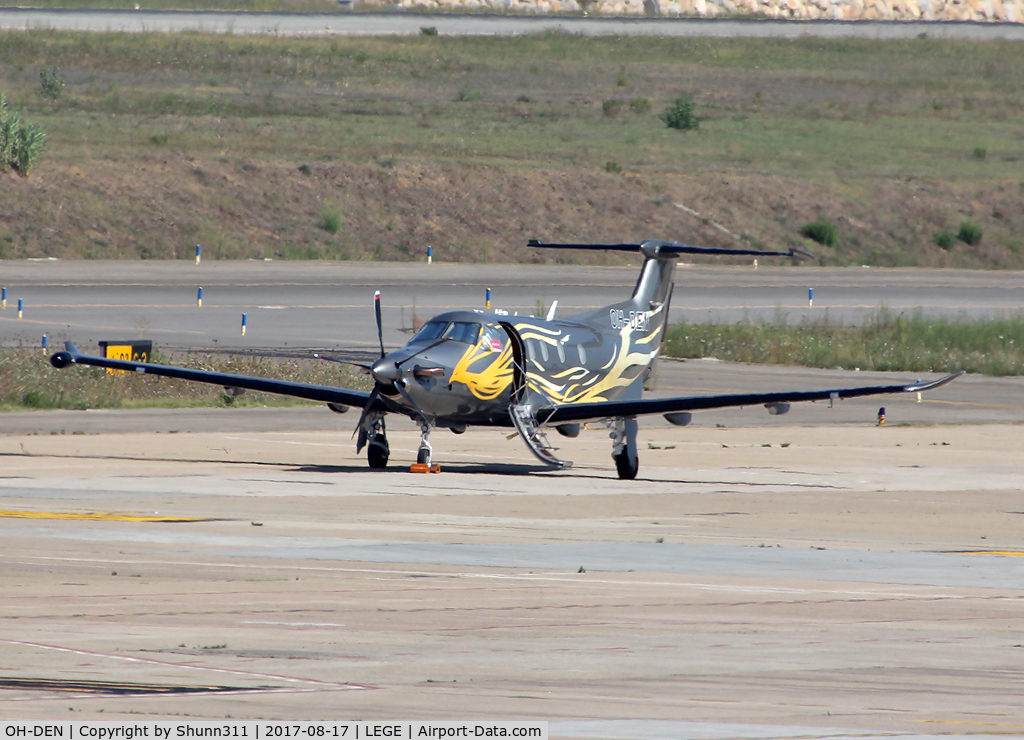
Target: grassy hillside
(349,148)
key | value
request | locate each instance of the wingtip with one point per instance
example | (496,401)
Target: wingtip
(919,387)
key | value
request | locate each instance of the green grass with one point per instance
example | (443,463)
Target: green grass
(843,114)
(884,342)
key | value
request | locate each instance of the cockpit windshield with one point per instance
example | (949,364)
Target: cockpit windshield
(467,332)
(430,330)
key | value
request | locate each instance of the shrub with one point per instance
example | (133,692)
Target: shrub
(10,124)
(821,231)
(945,240)
(428,30)
(640,106)
(28,147)
(970,233)
(611,107)
(680,116)
(51,83)
(21,143)
(305,169)
(330,221)
(612,166)
(980,152)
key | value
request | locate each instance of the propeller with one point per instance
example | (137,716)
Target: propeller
(375,393)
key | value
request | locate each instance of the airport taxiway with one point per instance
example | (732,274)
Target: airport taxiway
(330,305)
(755,582)
(815,575)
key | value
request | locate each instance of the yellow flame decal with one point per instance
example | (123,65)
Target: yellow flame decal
(487,382)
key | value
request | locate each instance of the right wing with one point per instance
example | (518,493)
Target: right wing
(609,409)
(323,393)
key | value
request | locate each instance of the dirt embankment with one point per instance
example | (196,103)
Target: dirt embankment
(161,208)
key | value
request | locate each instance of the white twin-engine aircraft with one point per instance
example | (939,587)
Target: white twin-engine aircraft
(473,368)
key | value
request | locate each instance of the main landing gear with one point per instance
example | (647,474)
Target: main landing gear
(623,436)
(376,441)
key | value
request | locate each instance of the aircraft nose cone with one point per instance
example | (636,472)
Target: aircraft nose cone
(385,372)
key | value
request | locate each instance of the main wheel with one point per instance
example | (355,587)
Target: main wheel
(627,468)
(377,454)
(423,456)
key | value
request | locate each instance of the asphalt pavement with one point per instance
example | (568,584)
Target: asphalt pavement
(399,22)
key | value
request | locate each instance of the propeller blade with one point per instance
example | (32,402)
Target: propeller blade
(410,401)
(419,352)
(362,417)
(365,368)
(380,329)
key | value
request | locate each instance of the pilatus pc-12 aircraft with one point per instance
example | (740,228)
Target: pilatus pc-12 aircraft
(483,368)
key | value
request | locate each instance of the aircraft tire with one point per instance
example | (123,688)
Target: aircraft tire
(626,468)
(423,456)
(377,455)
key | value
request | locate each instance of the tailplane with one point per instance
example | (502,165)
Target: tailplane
(654,286)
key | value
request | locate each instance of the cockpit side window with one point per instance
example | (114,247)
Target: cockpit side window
(463,331)
(430,330)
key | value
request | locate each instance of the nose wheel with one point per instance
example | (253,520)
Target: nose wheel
(426,453)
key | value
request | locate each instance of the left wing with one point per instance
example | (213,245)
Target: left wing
(324,393)
(609,409)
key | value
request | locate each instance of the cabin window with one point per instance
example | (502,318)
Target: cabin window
(583,353)
(544,351)
(430,330)
(561,352)
(463,331)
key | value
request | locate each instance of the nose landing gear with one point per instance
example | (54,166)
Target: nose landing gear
(426,453)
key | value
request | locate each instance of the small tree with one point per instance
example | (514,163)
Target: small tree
(680,116)
(51,83)
(9,126)
(21,142)
(28,148)
(970,233)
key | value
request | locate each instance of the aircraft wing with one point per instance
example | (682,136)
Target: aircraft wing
(609,409)
(324,393)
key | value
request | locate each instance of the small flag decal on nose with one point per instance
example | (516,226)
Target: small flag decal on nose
(495,345)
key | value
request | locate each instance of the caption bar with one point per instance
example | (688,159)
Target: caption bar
(272,730)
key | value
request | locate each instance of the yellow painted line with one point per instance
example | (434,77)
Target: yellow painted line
(96,516)
(1007,553)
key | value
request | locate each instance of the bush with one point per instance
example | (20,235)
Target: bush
(611,107)
(21,143)
(51,83)
(640,106)
(680,116)
(980,152)
(330,221)
(28,147)
(612,166)
(970,233)
(945,240)
(821,231)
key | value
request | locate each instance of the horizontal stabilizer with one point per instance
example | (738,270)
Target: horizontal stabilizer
(657,246)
